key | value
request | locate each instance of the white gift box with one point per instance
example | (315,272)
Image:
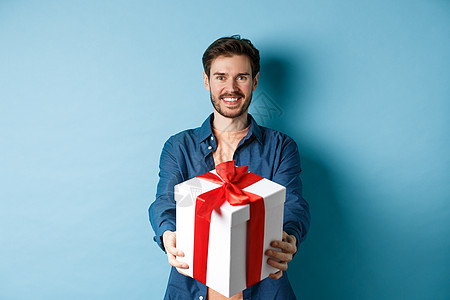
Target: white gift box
(227,249)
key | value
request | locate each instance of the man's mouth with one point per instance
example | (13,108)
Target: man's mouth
(231,100)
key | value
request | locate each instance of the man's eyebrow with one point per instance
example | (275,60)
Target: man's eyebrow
(239,74)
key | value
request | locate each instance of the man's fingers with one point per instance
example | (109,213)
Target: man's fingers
(278,265)
(174,251)
(175,263)
(285,246)
(276,275)
(281,256)
(172,254)
(170,242)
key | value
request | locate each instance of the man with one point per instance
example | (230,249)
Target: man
(231,73)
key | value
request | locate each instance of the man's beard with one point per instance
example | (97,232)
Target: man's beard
(216,103)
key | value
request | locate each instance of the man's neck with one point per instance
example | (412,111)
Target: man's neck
(230,124)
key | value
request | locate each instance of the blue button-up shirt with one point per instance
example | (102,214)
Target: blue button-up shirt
(266,152)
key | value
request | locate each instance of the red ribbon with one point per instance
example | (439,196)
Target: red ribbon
(232,180)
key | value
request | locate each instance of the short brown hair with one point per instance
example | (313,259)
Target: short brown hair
(228,46)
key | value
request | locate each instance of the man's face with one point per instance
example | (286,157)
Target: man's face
(231,85)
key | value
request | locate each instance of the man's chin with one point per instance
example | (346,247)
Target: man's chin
(231,115)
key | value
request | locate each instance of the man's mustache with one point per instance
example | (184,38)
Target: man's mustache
(232,95)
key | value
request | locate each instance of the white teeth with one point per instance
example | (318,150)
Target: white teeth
(230,99)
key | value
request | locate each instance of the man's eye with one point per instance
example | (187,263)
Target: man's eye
(220,77)
(242,78)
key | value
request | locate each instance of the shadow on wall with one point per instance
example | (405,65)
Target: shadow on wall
(329,263)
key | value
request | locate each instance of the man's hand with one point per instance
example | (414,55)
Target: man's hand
(170,243)
(280,258)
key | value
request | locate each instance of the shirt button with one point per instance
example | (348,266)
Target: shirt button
(212,138)
(209,147)
(200,298)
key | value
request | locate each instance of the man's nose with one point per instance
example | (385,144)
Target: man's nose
(231,86)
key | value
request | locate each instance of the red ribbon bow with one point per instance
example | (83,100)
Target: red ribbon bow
(232,180)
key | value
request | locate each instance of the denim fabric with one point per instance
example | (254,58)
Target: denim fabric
(266,152)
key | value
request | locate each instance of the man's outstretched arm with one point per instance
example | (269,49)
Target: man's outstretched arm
(162,212)
(296,210)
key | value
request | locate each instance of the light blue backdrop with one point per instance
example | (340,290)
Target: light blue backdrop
(90,90)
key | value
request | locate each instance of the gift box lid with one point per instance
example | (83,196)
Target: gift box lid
(188,191)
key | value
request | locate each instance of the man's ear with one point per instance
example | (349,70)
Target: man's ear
(206,81)
(255,82)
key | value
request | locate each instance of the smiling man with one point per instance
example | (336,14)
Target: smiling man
(231,73)
(231,84)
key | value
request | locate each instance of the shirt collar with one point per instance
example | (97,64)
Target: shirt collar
(206,132)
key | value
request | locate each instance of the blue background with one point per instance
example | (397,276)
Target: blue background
(90,90)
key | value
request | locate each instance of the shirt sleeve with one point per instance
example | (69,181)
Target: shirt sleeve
(162,210)
(296,210)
